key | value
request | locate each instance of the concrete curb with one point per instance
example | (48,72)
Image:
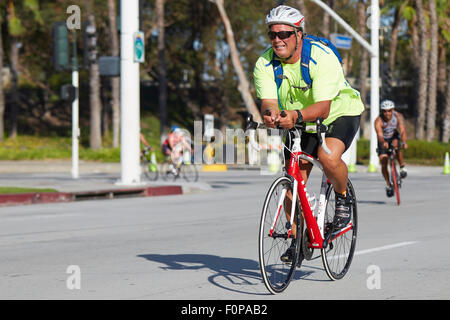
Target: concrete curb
(54,197)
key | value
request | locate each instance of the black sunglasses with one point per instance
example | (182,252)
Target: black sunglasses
(282,34)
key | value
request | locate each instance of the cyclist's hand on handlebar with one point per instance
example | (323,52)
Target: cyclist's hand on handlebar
(287,119)
(404,145)
(271,118)
(385,145)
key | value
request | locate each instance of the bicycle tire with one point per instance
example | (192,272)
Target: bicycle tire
(189,172)
(150,170)
(167,173)
(395,180)
(275,273)
(338,254)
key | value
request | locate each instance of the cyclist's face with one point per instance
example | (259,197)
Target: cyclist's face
(387,114)
(282,47)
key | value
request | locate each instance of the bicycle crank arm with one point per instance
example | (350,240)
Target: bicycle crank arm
(281,235)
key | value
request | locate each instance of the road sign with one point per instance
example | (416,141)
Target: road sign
(139,48)
(341,41)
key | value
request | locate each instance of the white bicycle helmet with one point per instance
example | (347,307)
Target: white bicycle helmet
(387,105)
(285,15)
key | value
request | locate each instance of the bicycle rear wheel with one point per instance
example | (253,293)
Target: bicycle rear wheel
(189,172)
(338,254)
(274,239)
(395,177)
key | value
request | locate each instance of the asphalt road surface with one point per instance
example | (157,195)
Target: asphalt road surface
(204,245)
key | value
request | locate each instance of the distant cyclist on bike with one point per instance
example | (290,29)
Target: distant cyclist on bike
(174,138)
(390,130)
(329,97)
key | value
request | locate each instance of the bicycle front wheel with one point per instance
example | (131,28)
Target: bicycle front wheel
(338,254)
(150,170)
(189,172)
(395,177)
(274,239)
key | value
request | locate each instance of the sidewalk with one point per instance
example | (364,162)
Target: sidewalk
(96,181)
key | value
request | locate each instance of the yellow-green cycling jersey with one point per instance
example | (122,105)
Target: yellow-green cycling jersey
(328,83)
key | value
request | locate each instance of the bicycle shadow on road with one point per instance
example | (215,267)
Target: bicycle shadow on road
(233,274)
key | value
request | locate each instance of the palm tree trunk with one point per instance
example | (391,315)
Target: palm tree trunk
(446,118)
(115,82)
(364,69)
(162,68)
(243,86)
(433,72)
(95,139)
(14,58)
(394,36)
(423,61)
(2,96)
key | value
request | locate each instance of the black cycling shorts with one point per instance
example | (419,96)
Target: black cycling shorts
(343,128)
(382,150)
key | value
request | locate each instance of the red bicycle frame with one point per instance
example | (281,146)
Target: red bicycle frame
(316,236)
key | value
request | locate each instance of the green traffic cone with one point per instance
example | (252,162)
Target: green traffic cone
(446,164)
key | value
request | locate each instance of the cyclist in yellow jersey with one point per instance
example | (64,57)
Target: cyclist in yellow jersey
(329,97)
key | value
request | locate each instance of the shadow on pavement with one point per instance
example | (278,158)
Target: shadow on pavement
(233,274)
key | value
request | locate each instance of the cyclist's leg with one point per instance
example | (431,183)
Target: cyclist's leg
(384,169)
(383,157)
(333,165)
(338,139)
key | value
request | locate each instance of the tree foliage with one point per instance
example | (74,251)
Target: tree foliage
(200,74)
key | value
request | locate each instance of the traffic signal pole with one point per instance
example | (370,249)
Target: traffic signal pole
(129,94)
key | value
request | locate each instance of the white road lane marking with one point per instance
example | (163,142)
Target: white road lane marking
(388,247)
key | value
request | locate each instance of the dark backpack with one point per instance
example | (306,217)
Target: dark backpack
(304,63)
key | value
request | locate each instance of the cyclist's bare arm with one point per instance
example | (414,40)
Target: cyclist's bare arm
(143,140)
(402,129)
(379,131)
(319,109)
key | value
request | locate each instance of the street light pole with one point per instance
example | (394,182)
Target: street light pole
(374,81)
(129,94)
(75,110)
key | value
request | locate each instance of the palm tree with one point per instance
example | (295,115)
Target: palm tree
(95,140)
(243,86)
(364,69)
(15,29)
(433,72)
(115,81)
(422,79)
(162,68)
(399,6)
(2,96)
(446,120)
